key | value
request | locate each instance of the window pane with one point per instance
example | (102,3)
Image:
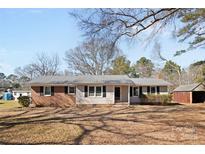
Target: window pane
(91,91)
(152,90)
(98,91)
(135,91)
(72,90)
(47,90)
(163,89)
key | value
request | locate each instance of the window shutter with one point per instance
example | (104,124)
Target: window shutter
(52,91)
(140,91)
(158,90)
(104,91)
(86,91)
(148,90)
(41,90)
(130,91)
(66,89)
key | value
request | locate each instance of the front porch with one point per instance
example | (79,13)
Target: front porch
(126,94)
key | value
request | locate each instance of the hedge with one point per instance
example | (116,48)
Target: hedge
(24,101)
(165,98)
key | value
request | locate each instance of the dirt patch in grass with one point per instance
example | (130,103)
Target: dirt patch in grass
(104,125)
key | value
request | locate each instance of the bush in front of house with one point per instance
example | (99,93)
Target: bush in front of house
(24,101)
(156,99)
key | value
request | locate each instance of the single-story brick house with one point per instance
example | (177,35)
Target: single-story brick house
(191,93)
(93,89)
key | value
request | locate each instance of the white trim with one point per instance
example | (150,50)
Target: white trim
(137,91)
(69,90)
(128,92)
(95,90)
(133,91)
(44,91)
(100,92)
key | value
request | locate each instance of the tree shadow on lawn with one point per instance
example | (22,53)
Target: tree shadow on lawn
(99,122)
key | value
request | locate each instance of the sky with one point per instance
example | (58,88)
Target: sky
(26,32)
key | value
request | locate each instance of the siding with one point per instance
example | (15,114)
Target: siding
(81,99)
(182,97)
(59,99)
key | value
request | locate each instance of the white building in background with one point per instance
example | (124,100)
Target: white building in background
(18,93)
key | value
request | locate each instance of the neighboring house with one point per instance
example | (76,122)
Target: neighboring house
(18,93)
(192,93)
(93,89)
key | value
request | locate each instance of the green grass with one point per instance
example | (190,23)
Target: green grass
(9,104)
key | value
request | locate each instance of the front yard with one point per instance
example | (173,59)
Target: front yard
(177,124)
(9,104)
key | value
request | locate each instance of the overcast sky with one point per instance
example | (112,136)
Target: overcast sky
(25,32)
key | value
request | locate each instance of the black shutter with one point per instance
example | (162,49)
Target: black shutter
(130,91)
(66,89)
(104,91)
(41,90)
(157,89)
(86,91)
(148,90)
(140,91)
(52,91)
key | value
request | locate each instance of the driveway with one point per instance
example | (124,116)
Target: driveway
(177,124)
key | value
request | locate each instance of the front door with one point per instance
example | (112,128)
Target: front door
(117,94)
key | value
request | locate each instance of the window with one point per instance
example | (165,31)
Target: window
(163,89)
(152,90)
(135,91)
(91,91)
(71,90)
(98,91)
(47,91)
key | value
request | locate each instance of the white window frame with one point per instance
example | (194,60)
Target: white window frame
(89,91)
(69,90)
(101,93)
(44,90)
(95,91)
(133,91)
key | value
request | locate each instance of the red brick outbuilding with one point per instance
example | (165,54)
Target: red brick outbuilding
(192,93)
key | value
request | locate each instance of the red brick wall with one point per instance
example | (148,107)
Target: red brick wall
(59,99)
(182,97)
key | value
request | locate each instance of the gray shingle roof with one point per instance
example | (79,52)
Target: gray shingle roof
(150,82)
(97,79)
(83,79)
(190,87)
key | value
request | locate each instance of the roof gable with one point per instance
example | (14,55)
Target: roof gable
(190,87)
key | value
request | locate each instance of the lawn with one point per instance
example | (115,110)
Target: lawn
(9,104)
(177,124)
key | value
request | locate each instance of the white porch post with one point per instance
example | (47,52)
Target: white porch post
(128,95)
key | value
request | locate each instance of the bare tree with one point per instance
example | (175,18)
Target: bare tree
(171,65)
(43,65)
(114,24)
(92,57)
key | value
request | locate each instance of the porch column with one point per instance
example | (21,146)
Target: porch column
(128,92)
